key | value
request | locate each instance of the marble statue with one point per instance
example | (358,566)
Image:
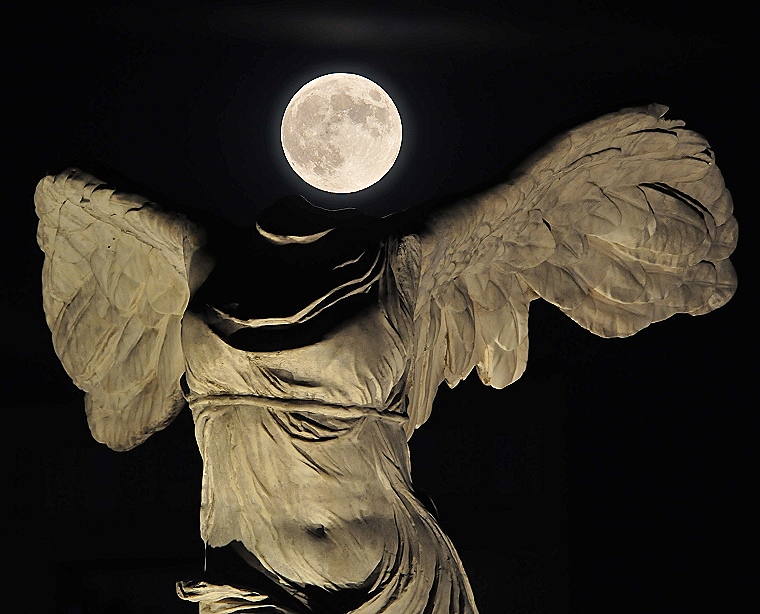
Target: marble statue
(310,352)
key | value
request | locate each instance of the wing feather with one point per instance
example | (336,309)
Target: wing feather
(115,287)
(621,222)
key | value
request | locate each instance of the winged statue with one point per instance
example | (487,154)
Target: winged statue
(311,346)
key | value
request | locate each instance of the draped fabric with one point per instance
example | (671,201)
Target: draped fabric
(310,351)
(306,465)
(330,506)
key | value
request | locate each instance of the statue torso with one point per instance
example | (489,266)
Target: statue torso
(294,439)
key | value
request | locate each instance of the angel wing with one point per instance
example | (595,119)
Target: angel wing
(621,222)
(115,285)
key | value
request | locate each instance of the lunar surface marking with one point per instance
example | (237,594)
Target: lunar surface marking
(341,133)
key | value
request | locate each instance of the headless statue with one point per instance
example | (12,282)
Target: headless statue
(311,348)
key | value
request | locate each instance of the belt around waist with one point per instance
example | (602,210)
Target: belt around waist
(393,412)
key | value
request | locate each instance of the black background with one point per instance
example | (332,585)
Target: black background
(613,476)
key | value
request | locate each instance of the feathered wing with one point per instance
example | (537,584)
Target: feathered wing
(621,222)
(115,287)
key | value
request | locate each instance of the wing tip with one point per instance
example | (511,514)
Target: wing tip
(653,109)
(113,430)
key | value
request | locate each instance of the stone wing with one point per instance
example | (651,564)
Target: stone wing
(115,286)
(621,222)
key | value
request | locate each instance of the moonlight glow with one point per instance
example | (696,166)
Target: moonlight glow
(341,133)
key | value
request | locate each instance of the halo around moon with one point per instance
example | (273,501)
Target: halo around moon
(341,133)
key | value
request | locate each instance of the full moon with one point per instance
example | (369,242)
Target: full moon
(341,133)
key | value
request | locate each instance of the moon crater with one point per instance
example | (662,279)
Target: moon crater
(341,133)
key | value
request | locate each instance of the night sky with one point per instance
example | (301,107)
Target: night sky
(612,477)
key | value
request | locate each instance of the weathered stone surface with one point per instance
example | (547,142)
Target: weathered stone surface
(303,410)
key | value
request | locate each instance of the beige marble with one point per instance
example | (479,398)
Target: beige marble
(620,223)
